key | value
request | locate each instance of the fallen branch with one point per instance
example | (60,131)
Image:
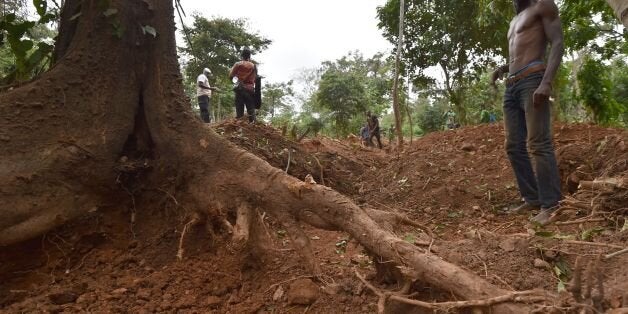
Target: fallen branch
(593,244)
(579,221)
(620,252)
(517,296)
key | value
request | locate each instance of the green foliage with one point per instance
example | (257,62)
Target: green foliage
(344,96)
(276,102)
(431,114)
(447,34)
(216,44)
(349,87)
(23,47)
(591,24)
(596,92)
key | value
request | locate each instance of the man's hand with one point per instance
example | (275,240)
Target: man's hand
(497,74)
(541,95)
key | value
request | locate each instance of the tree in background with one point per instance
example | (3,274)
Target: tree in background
(344,95)
(596,92)
(446,34)
(276,101)
(348,88)
(216,44)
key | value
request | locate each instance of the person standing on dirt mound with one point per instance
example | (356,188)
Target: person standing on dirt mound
(246,73)
(527,106)
(204,94)
(373,124)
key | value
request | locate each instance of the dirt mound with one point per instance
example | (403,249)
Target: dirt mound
(123,259)
(330,162)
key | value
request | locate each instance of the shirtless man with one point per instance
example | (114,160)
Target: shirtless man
(527,106)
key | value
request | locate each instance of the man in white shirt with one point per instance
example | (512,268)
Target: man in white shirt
(204,93)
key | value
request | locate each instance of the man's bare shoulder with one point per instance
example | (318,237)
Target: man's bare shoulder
(547,8)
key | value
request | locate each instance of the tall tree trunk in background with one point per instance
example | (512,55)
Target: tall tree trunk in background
(112,111)
(396,108)
(621,10)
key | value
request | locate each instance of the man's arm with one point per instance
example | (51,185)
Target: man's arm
(202,85)
(232,72)
(554,33)
(498,73)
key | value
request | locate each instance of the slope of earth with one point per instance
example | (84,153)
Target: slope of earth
(122,257)
(458,184)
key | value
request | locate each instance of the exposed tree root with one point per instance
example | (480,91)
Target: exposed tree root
(196,219)
(530,296)
(147,113)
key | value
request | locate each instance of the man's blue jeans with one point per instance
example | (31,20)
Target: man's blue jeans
(526,124)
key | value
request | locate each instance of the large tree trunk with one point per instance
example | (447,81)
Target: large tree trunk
(621,10)
(114,106)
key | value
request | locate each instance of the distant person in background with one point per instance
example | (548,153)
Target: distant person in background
(204,94)
(492,118)
(364,135)
(246,73)
(450,119)
(374,130)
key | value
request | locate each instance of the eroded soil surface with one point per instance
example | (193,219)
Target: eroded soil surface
(121,257)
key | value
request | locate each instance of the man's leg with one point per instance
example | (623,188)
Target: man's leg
(379,140)
(516,133)
(541,147)
(250,105)
(239,104)
(203,104)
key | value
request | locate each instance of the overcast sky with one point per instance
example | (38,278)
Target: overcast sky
(304,33)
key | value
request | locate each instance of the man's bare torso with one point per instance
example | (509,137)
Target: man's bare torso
(526,38)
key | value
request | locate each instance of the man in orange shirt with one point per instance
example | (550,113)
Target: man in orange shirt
(246,73)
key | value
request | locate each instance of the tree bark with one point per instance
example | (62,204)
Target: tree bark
(620,7)
(397,111)
(112,110)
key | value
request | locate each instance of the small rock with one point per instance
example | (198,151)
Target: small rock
(234,299)
(539,263)
(303,292)
(278,294)
(62,297)
(332,289)
(120,291)
(86,298)
(513,243)
(185,302)
(143,294)
(468,147)
(213,301)
(508,245)
(550,255)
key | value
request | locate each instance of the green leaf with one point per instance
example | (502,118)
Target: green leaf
(109,12)
(41,6)
(625,227)
(150,30)
(589,233)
